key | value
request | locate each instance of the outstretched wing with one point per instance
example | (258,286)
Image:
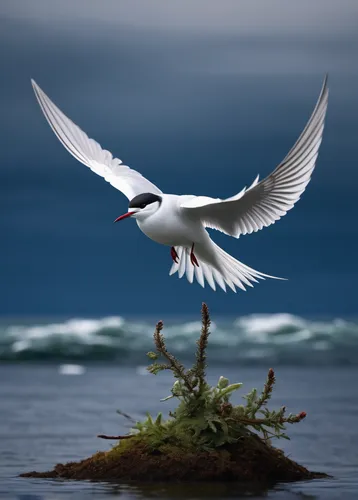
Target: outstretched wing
(265,202)
(89,152)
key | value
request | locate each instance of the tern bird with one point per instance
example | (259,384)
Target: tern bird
(180,221)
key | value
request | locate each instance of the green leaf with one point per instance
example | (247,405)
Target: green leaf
(224,427)
(177,389)
(149,419)
(231,388)
(223,382)
(251,397)
(239,410)
(212,426)
(168,397)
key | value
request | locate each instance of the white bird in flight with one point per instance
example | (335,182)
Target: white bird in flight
(180,221)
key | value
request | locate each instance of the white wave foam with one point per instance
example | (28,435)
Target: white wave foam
(83,330)
(254,337)
(21,345)
(71,370)
(78,327)
(269,323)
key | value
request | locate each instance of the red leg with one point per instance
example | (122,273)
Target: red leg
(174,255)
(193,259)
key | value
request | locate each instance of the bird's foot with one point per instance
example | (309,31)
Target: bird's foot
(193,259)
(174,255)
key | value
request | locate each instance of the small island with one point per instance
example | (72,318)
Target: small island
(206,438)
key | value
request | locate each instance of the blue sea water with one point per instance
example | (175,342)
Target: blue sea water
(60,387)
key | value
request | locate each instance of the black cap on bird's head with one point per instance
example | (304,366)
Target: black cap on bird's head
(140,202)
(144,199)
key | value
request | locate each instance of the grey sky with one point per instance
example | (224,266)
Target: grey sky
(244,17)
(238,37)
(120,66)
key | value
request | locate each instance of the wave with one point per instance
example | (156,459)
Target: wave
(259,338)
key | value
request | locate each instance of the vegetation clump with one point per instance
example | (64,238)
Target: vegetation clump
(206,437)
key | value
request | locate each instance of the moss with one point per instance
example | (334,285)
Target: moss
(206,438)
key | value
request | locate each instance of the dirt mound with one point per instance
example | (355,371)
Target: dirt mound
(250,460)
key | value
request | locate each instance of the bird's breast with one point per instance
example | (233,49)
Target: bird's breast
(169,229)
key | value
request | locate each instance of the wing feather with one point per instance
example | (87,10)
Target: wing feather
(265,202)
(89,152)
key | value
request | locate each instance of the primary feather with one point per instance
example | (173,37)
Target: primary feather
(265,202)
(89,152)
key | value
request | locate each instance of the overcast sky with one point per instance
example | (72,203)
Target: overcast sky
(200,96)
(251,17)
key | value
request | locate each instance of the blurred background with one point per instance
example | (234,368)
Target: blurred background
(199,96)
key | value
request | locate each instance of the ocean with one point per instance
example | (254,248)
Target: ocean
(62,382)
(257,339)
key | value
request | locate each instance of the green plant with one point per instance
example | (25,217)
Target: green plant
(205,418)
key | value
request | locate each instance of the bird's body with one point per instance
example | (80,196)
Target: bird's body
(181,221)
(170,225)
(173,226)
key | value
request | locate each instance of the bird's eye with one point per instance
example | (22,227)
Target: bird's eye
(143,205)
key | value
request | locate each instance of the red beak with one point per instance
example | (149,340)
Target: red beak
(124,216)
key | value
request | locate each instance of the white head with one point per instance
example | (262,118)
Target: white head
(142,206)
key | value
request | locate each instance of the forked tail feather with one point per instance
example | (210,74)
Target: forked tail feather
(230,272)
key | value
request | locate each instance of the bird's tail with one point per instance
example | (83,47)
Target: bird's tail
(228,271)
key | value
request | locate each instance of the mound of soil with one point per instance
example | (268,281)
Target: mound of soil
(250,460)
